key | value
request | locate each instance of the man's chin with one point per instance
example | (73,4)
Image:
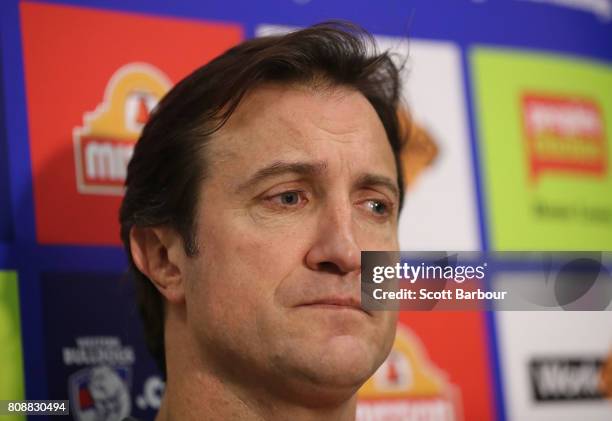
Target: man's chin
(329,377)
(343,361)
(333,351)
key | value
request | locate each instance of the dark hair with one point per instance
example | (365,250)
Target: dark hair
(169,160)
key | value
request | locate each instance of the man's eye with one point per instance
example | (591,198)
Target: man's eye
(289,199)
(378,207)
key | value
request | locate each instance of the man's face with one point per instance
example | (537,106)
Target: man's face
(298,183)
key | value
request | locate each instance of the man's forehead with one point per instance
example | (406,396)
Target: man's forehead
(295,115)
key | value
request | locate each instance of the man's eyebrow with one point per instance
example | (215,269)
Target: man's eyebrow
(284,167)
(367,180)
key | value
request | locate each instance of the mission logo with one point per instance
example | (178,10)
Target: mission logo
(104,144)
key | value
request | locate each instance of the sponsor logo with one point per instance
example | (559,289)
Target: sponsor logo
(100,391)
(565,379)
(407,386)
(564,135)
(104,144)
(420,149)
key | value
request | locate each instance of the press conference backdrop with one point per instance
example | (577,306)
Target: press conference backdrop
(514,98)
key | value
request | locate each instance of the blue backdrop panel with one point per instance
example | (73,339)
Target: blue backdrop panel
(93,339)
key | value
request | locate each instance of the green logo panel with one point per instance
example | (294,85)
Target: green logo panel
(11,359)
(545,139)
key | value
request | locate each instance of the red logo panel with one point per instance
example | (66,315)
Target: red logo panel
(456,357)
(92,77)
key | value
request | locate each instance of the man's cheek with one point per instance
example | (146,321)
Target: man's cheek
(277,245)
(229,306)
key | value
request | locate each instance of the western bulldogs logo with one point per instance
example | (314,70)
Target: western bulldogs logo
(100,393)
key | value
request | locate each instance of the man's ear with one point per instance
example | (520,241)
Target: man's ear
(159,254)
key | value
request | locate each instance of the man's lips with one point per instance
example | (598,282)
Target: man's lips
(336,303)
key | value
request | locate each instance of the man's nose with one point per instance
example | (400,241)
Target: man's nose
(334,248)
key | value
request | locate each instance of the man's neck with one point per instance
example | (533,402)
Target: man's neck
(196,392)
(196,397)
